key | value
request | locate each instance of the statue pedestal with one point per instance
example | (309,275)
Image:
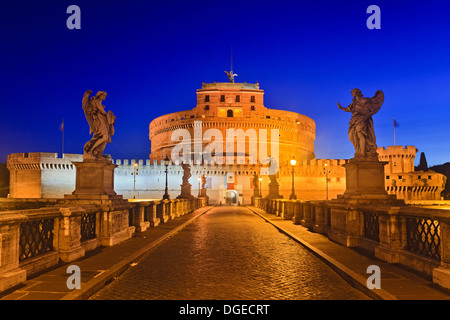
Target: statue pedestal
(274,191)
(185,192)
(365,183)
(94,190)
(94,179)
(365,178)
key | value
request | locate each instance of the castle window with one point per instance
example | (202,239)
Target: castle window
(419,177)
(400,177)
(222,98)
(429,177)
(252,99)
(267,117)
(206,108)
(387,177)
(207,98)
(230,113)
(25,155)
(252,108)
(238,98)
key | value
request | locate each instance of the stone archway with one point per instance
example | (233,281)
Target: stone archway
(231,198)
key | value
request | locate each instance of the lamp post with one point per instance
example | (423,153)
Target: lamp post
(166,194)
(260,187)
(199,181)
(293,196)
(326,171)
(135,173)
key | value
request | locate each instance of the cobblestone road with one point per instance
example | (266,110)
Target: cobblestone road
(229,253)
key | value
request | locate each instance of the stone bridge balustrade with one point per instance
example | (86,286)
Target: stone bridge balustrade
(416,237)
(32,240)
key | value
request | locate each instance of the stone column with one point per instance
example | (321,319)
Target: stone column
(139,216)
(346,225)
(152,214)
(441,275)
(307,221)
(390,232)
(320,219)
(115,225)
(298,212)
(69,234)
(10,273)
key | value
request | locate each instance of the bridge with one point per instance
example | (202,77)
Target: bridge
(185,249)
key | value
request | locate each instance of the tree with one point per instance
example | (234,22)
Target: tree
(423,166)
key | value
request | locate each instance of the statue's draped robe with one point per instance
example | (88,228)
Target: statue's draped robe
(101,125)
(361,123)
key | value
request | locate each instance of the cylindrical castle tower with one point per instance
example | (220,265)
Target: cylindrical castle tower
(223,106)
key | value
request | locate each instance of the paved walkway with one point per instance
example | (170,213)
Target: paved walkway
(396,282)
(230,254)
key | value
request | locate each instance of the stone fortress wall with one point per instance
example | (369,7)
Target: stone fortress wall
(45,175)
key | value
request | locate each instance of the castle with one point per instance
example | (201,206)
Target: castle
(230,172)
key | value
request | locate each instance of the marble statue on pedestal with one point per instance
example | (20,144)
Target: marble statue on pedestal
(361,131)
(186,186)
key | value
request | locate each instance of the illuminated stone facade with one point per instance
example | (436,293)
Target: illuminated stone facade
(403,181)
(236,106)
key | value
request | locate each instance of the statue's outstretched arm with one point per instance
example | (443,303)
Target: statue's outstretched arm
(346,109)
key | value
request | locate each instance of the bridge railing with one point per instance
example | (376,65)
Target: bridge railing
(33,240)
(416,237)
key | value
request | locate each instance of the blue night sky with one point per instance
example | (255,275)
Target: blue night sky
(150,57)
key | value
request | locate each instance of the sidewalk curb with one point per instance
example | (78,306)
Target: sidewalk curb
(98,283)
(354,279)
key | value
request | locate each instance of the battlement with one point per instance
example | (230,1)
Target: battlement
(51,160)
(397,151)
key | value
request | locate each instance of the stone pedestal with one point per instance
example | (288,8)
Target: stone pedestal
(94,187)
(94,179)
(274,190)
(186,192)
(365,183)
(364,178)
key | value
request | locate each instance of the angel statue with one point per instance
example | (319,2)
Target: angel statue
(186,173)
(361,131)
(101,123)
(231,76)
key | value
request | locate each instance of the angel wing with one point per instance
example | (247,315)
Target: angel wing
(374,103)
(88,110)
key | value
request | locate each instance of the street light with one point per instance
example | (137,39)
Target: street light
(326,171)
(260,188)
(135,173)
(293,196)
(166,194)
(199,181)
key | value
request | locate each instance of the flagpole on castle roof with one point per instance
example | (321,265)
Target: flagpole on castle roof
(394,131)
(62,129)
